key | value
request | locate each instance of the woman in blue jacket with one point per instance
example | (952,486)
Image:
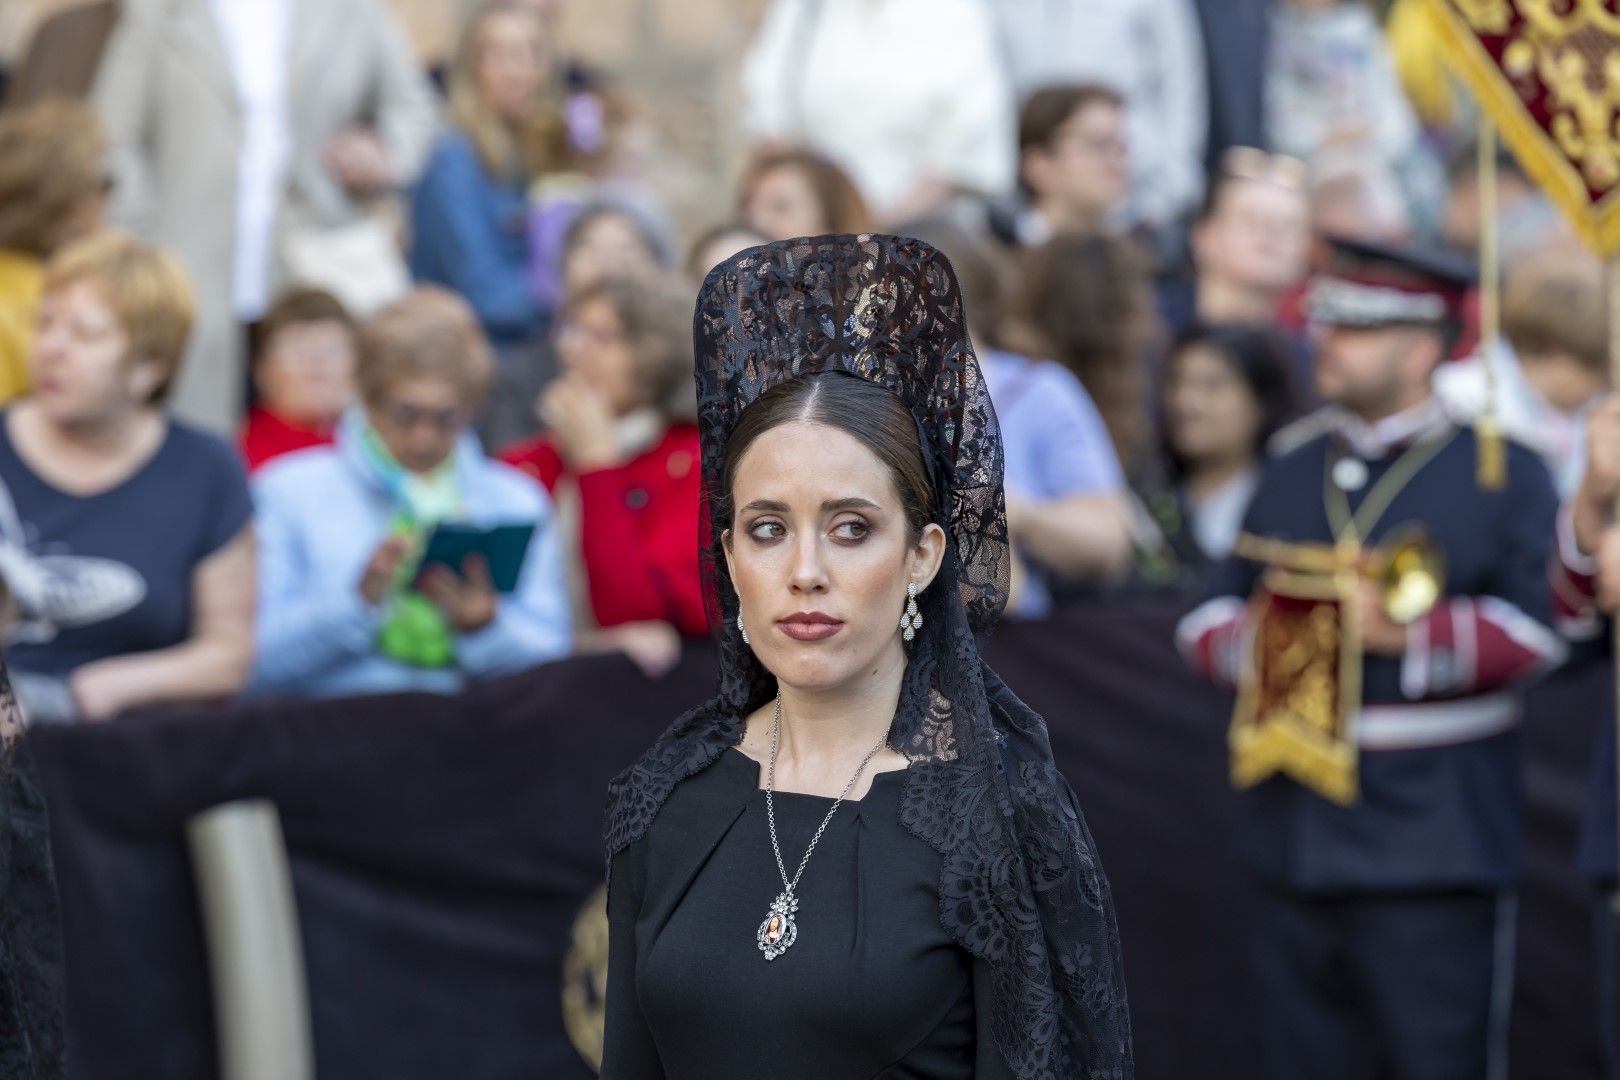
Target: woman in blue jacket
(469,212)
(342,608)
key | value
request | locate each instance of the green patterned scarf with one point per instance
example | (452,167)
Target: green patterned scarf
(414,630)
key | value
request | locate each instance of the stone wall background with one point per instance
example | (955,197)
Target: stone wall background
(678,60)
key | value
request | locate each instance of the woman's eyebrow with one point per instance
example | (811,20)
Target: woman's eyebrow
(849,502)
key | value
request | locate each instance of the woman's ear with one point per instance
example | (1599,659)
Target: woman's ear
(927,555)
(725,546)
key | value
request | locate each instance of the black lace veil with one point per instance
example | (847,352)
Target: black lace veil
(32,1026)
(1021,887)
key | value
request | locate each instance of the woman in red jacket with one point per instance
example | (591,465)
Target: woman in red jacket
(620,457)
(306,351)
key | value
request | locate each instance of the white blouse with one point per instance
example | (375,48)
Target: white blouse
(894,91)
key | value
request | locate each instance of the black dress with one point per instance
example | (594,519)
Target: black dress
(873,988)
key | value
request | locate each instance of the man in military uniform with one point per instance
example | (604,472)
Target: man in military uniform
(1382,604)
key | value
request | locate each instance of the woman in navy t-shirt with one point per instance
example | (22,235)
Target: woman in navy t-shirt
(125,536)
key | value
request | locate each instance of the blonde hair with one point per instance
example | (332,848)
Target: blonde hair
(429,333)
(53,157)
(539,145)
(1555,304)
(147,289)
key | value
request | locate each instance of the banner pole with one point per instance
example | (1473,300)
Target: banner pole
(1612,275)
(1492,465)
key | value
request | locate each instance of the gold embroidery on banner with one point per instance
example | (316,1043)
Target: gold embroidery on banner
(1563,58)
(1301,689)
(1486,16)
(584,980)
(1576,55)
(1306,666)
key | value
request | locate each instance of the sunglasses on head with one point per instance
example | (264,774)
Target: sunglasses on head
(1252,163)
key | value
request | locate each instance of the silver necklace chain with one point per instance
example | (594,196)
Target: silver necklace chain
(770,807)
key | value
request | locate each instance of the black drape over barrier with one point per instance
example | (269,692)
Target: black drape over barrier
(443,849)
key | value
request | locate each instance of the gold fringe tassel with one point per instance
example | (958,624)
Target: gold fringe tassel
(1492,453)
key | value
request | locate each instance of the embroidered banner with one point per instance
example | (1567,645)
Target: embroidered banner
(1547,74)
(1302,688)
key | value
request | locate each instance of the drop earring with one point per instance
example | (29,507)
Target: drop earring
(743,630)
(911,621)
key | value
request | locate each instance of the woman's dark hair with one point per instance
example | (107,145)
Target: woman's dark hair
(1086,301)
(296,307)
(1048,108)
(864,410)
(1257,356)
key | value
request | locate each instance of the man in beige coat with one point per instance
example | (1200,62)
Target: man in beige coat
(239,123)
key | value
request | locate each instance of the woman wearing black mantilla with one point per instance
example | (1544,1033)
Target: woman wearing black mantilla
(858,860)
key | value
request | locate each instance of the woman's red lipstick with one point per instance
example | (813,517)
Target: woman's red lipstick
(810,626)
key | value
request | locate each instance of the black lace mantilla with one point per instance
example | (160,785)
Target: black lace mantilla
(32,1028)
(1021,886)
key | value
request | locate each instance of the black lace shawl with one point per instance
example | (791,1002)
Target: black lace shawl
(1021,886)
(32,1029)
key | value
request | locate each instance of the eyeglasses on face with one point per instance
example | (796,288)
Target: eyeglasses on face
(407,416)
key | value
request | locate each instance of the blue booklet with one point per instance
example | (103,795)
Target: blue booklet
(503,548)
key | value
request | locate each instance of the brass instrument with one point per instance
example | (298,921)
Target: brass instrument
(1411,575)
(1409,568)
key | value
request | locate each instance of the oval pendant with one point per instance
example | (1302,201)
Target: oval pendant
(778,932)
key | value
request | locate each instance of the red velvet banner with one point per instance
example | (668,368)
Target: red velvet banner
(1547,74)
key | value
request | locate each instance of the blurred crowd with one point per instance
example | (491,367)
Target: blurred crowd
(280,295)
